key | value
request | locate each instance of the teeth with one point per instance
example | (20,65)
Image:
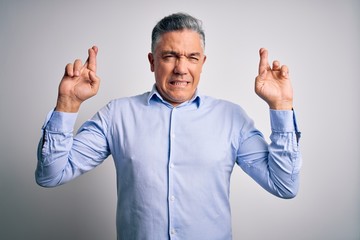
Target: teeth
(179,83)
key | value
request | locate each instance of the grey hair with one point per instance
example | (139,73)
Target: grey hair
(176,22)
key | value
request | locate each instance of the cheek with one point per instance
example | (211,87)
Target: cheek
(163,72)
(160,77)
(196,72)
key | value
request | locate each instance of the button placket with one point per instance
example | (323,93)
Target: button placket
(171,166)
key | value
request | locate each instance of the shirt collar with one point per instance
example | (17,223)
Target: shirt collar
(154,94)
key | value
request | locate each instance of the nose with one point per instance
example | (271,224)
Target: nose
(181,66)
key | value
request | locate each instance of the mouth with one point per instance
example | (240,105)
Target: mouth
(179,83)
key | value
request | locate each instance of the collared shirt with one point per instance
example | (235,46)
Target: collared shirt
(173,164)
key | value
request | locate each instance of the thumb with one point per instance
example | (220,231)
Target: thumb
(94,80)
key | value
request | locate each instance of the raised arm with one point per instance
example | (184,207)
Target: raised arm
(273,83)
(78,83)
(61,158)
(274,166)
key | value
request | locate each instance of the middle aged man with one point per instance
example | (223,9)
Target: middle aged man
(174,149)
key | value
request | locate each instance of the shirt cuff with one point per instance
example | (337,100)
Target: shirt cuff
(60,121)
(283,121)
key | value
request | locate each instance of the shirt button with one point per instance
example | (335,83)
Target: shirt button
(172,198)
(172,165)
(172,231)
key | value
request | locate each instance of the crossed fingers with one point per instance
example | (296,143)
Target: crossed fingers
(75,69)
(264,66)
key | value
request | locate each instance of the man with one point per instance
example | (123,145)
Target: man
(174,149)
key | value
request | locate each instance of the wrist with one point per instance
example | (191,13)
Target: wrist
(286,105)
(65,104)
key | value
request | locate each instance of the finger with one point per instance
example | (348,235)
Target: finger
(276,65)
(263,64)
(284,71)
(95,48)
(91,61)
(77,67)
(69,70)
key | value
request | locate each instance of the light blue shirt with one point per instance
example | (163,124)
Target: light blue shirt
(173,164)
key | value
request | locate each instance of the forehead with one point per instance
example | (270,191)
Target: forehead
(180,41)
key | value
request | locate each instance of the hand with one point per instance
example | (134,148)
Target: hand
(273,84)
(78,83)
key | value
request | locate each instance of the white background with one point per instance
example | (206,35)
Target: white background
(318,40)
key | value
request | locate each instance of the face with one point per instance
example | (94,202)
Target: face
(177,63)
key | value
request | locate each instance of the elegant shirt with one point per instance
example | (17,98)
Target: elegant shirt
(173,164)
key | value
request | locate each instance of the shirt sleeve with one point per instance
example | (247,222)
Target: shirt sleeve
(274,166)
(61,156)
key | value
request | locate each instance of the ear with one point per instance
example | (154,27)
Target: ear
(204,59)
(151,61)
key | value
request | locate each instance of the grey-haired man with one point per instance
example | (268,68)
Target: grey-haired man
(174,149)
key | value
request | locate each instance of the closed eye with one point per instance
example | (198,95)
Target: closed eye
(169,56)
(195,57)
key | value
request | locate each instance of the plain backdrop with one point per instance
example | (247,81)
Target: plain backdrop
(318,40)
